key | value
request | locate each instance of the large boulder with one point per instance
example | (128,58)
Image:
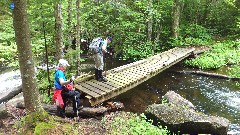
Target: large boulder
(179,115)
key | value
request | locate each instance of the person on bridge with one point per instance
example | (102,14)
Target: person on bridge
(64,89)
(98,59)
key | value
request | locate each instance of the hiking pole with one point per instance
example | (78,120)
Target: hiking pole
(76,104)
(105,71)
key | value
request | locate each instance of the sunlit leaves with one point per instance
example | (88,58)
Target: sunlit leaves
(224,53)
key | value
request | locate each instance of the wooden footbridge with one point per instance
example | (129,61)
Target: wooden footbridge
(124,78)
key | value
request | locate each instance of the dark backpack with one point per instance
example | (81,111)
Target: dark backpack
(95,46)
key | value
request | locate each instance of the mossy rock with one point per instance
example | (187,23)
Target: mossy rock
(185,120)
(30,121)
(43,128)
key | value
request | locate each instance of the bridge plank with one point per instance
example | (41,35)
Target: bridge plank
(131,74)
(111,83)
(93,89)
(87,91)
(105,84)
(123,78)
(96,85)
(139,71)
(114,81)
(125,75)
(142,70)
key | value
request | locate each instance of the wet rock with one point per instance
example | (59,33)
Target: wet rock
(179,116)
(175,98)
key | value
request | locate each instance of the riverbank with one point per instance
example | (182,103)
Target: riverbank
(119,122)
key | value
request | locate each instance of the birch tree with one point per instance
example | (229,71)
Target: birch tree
(58,30)
(22,38)
(175,18)
(69,22)
(78,37)
(150,23)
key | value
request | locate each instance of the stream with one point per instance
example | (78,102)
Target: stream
(213,96)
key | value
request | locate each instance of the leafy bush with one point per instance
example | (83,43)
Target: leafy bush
(234,71)
(8,49)
(192,34)
(222,53)
(129,123)
(138,51)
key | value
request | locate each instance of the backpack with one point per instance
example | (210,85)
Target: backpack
(95,46)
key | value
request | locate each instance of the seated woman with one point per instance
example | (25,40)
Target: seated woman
(64,89)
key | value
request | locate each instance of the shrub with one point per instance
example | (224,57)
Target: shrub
(129,123)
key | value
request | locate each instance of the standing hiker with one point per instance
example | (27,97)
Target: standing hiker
(64,89)
(98,56)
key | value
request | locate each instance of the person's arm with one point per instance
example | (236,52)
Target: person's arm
(62,82)
(104,48)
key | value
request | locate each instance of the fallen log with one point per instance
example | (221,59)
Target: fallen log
(209,74)
(84,112)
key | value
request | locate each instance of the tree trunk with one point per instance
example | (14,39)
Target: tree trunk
(150,23)
(78,37)
(22,37)
(58,30)
(206,12)
(159,29)
(216,75)
(175,18)
(69,22)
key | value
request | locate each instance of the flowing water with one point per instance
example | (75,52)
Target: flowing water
(213,96)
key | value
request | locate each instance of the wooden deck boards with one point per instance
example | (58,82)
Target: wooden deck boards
(123,78)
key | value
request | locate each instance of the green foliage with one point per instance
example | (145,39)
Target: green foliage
(51,127)
(196,31)
(125,21)
(130,123)
(235,71)
(222,53)
(222,16)
(71,56)
(219,15)
(44,85)
(8,49)
(42,79)
(192,34)
(30,121)
(41,123)
(42,128)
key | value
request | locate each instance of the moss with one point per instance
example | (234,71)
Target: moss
(43,128)
(30,121)
(68,129)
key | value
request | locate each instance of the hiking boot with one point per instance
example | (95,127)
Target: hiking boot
(96,74)
(103,79)
(61,112)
